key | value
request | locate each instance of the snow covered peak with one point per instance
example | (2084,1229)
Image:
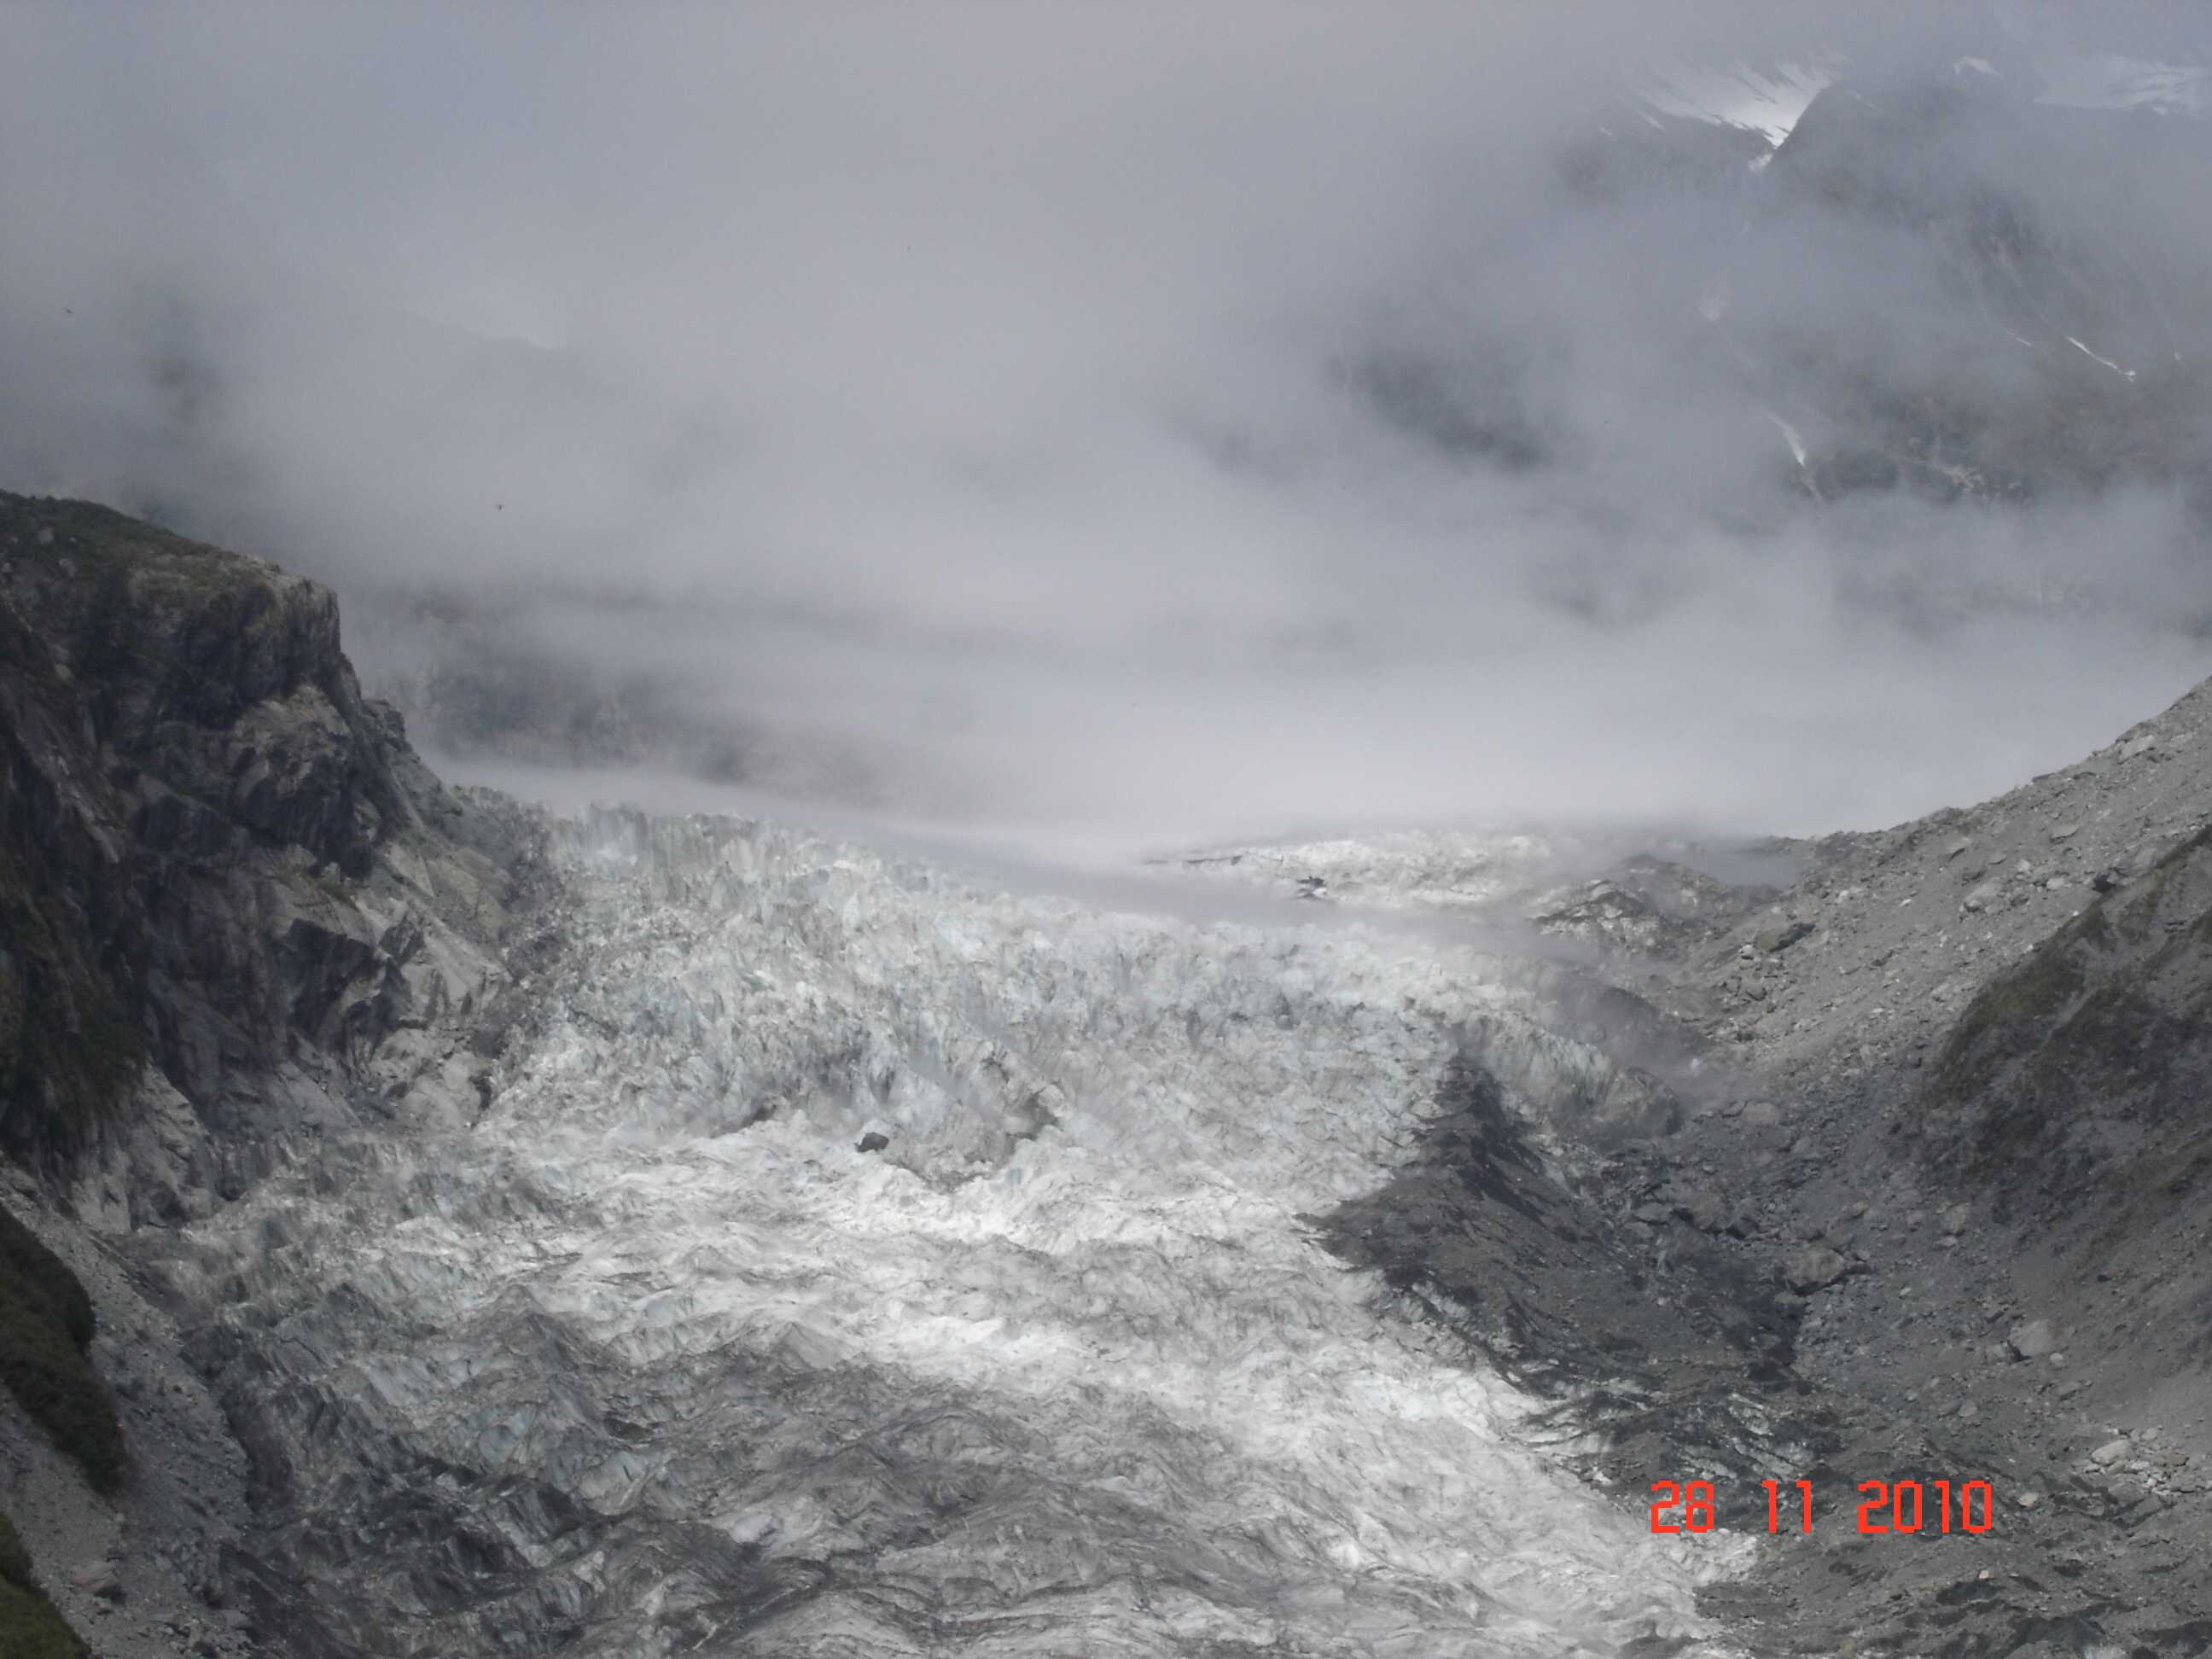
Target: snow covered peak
(1765,98)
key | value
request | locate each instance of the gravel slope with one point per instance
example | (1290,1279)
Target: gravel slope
(1835,1045)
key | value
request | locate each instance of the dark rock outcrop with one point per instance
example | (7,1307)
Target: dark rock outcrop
(240,922)
(215,856)
(72,944)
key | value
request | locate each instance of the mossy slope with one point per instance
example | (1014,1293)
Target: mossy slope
(45,1328)
(30,1628)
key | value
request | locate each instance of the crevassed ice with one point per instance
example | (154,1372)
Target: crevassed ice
(1058,1370)
(1411,869)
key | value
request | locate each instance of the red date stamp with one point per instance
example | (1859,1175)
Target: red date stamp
(1885,1506)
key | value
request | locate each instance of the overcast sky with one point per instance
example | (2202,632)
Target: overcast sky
(988,393)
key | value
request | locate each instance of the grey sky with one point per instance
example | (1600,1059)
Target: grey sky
(978,389)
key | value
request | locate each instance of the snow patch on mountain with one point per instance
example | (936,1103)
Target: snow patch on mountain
(1767,99)
(1446,870)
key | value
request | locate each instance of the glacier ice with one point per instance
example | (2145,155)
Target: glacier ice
(651,1358)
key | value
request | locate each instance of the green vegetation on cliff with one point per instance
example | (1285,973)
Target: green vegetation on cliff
(29,1626)
(45,1326)
(72,952)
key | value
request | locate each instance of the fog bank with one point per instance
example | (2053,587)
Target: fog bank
(1123,424)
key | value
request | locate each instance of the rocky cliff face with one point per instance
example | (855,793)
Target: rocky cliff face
(236,915)
(221,865)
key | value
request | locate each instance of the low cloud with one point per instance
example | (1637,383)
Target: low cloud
(1116,422)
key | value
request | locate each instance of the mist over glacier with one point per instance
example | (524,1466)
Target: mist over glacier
(1115,422)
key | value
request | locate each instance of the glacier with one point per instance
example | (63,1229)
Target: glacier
(645,1356)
